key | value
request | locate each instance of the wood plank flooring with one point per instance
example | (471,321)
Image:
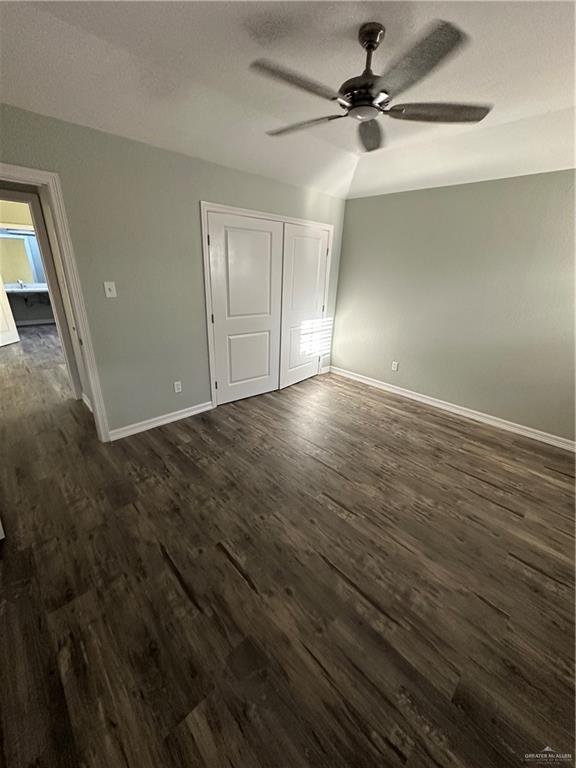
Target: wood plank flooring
(327,576)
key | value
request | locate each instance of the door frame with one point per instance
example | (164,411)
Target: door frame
(205,209)
(49,216)
(55,292)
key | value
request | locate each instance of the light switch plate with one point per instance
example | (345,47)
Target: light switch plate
(110,289)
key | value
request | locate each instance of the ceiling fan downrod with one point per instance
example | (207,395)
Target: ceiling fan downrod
(370,35)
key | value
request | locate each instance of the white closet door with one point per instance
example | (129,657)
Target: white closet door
(8,331)
(246,279)
(303,332)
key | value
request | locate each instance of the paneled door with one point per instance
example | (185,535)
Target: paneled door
(304,331)
(246,282)
(8,331)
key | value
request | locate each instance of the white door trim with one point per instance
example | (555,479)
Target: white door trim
(206,208)
(49,189)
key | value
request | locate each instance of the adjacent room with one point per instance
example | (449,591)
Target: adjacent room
(21,267)
(36,342)
(287,386)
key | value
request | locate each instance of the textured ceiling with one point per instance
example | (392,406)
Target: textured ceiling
(176,75)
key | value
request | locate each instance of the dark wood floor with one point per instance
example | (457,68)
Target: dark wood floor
(327,576)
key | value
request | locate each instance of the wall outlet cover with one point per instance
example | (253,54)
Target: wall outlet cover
(395,365)
(177,386)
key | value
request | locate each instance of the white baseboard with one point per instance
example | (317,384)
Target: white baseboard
(325,369)
(158,421)
(460,410)
(86,401)
(40,321)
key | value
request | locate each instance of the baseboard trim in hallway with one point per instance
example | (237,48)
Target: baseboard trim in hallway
(460,410)
(159,421)
(86,401)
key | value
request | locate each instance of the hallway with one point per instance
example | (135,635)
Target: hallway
(32,373)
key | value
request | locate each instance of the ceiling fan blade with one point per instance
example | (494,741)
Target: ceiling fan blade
(438,43)
(370,135)
(439,112)
(289,76)
(303,124)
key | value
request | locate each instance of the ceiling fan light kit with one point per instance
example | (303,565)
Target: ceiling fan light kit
(366,97)
(363,112)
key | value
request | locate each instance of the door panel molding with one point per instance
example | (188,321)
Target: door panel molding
(253,335)
(206,208)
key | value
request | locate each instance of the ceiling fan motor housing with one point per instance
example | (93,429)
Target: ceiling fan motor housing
(358,92)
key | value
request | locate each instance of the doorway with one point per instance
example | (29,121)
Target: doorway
(266,281)
(51,223)
(32,298)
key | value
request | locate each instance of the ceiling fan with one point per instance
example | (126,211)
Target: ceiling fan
(367,96)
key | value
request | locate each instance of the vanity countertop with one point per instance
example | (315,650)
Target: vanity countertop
(25,288)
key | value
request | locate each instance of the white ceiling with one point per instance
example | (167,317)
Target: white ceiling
(176,75)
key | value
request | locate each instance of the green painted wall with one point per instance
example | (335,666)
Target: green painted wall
(471,289)
(134,215)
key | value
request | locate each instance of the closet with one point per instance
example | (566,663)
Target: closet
(266,282)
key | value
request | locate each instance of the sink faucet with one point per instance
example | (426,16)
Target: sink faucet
(20,283)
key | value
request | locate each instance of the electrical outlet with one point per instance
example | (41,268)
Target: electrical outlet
(177,386)
(110,289)
(395,365)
